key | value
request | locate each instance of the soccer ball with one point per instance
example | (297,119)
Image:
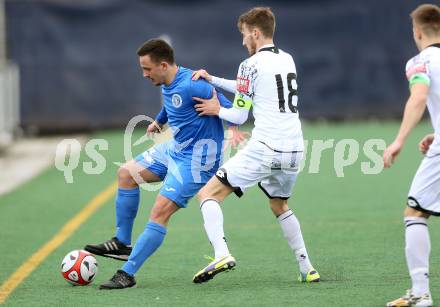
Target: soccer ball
(79,268)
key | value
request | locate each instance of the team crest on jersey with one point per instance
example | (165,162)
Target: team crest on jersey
(176,100)
(242,85)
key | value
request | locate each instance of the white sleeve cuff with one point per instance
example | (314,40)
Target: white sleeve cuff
(234,115)
(227,85)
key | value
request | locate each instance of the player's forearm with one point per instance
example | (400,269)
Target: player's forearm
(233,115)
(162,117)
(414,109)
(227,85)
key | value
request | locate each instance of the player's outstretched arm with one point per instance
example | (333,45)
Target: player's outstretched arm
(414,109)
(225,84)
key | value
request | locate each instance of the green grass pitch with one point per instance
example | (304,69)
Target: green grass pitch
(352,226)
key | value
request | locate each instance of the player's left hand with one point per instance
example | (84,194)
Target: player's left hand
(235,137)
(426,142)
(391,152)
(201,73)
(152,128)
(208,106)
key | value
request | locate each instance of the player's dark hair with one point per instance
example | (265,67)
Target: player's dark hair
(427,17)
(158,50)
(259,17)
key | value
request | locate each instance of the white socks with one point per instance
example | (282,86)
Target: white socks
(292,232)
(213,218)
(417,249)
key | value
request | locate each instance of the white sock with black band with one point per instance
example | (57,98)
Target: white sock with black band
(213,222)
(417,250)
(292,232)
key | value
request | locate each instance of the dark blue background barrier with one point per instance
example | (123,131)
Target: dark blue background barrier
(79,69)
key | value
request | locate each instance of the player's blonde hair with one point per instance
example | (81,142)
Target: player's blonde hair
(259,17)
(427,18)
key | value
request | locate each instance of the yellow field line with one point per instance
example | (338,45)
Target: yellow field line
(32,263)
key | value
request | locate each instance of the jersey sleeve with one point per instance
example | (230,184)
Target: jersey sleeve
(417,71)
(246,81)
(227,85)
(162,117)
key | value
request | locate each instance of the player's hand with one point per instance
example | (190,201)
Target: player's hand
(391,152)
(426,142)
(235,137)
(154,127)
(201,73)
(208,106)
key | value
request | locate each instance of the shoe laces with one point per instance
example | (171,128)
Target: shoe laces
(416,299)
(119,277)
(408,295)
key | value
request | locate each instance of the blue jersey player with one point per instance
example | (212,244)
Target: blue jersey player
(185,163)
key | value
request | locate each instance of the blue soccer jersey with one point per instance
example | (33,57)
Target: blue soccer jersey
(192,158)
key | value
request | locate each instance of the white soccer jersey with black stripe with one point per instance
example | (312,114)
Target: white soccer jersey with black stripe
(267,82)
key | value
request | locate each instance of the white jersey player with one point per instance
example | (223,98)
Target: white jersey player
(423,73)
(266,82)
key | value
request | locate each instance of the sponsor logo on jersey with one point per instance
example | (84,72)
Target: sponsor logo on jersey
(416,69)
(176,100)
(242,85)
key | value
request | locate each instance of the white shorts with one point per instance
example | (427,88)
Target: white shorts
(274,171)
(424,194)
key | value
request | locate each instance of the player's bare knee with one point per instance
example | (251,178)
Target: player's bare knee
(202,194)
(162,210)
(278,206)
(411,212)
(156,213)
(159,215)
(125,179)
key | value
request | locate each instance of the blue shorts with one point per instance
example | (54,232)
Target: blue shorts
(181,179)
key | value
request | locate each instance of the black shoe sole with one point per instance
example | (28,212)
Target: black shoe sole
(109,288)
(98,252)
(204,277)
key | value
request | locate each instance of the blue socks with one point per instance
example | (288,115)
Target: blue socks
(145,246)
(127,204)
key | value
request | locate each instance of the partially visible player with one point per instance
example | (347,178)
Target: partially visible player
(185,163)
(423,73)
(267,82)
